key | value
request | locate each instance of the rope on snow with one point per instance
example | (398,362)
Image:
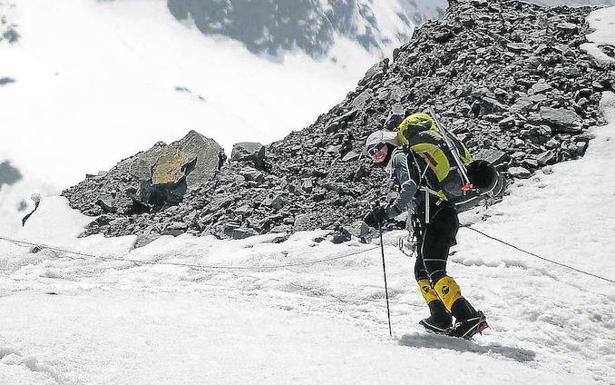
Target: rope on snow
(190,265)
(281,266)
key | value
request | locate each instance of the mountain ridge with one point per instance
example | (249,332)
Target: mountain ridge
(509,78)
(276,26)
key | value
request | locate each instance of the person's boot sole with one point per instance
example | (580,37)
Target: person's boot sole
(432,328)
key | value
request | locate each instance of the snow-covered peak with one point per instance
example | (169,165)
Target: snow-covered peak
(275,26)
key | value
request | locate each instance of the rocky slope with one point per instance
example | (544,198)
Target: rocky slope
(508,77)
(150,179)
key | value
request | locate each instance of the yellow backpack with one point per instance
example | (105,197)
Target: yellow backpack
(419,133)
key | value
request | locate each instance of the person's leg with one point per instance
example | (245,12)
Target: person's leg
(439,320)
(439,236)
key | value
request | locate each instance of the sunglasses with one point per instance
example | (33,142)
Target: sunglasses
(376,148)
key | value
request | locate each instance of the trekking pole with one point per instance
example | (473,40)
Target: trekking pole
(386,287)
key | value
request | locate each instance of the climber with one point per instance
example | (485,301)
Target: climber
(421,164)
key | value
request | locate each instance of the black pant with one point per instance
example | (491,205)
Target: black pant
(434,241)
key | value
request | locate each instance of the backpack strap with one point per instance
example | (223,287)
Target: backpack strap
(454,151)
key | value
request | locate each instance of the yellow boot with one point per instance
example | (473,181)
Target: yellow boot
(440,320)
(448,291)
(468,320)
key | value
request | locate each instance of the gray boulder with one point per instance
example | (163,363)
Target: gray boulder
(237,233)
(568,27)
(252,174)
(560,117)
(490,105)
(172,166)
(351,156)
(177,167)
(360,101)
(340,235)
(253,152)
(120,204)
(491,155)
(519,172)
(194,158)
(540,87)
(160,176)
(518,47)
(304,222)
(140,165)
(209,157)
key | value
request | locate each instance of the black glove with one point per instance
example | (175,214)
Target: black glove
(376,217)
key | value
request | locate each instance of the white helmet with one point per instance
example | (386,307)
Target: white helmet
(381,136)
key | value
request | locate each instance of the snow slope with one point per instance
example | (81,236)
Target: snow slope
(197,339)
(80,320)
(306,312)
(262,312)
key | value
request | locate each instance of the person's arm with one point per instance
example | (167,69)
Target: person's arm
(408,179)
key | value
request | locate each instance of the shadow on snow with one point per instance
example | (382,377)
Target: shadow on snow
(461,345)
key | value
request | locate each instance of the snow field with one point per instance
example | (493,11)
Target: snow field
(566,337)
(69,319)
(193,339)
(603,21)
